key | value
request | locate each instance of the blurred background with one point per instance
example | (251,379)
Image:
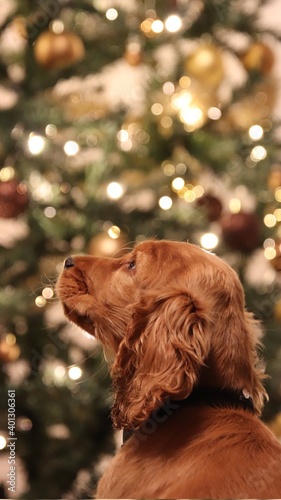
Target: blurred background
(122,121)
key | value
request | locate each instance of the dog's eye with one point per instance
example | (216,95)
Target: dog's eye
(131,265)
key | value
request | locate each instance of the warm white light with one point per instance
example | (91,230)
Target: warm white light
(214,113)
(57,26)
(157,108)
(258,153)
(178,183)
(157,26)
(115,190)
(191,116)
(123,135)
(173,23)
(235,205)
(198,191)
(59,372)
(209,241)
(6,174)
(50,212)
(36,144)
(48,292)
(40,301)
(189,196)
(256,132)
(270,220)
(168,88)
(71,148)
(166,121)
(270,253)
(3,442)
(51,130)
(165,202)
(277,214)
(114,232)
(111,14)
(182,100)
(74,372)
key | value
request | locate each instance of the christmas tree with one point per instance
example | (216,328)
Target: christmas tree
(122,121)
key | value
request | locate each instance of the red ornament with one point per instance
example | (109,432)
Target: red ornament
(13,198)
(211,205)
(241,231)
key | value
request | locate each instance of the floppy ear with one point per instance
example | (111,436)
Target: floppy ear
(166,344)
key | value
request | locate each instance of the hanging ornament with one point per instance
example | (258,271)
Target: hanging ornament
(58,50)
(206,65)
(211,206)
(241,231)
(133,53)
(277,310)
(259,57)
(104,245)
(274,178)
(13,198)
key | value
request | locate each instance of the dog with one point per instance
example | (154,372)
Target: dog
(183,358)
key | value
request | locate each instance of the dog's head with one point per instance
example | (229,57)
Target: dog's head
(170,316)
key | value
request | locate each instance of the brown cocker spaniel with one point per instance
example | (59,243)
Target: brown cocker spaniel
(188,392)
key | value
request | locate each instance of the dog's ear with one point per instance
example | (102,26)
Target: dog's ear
(160,357)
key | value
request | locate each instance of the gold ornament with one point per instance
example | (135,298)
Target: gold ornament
(259,57)
(58,50)
(103,245)
(206,65)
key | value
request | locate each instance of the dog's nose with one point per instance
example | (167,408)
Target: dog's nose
(68,262)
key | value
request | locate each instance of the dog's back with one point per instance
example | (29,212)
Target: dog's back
(197,453)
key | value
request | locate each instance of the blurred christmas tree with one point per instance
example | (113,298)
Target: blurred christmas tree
(123,121)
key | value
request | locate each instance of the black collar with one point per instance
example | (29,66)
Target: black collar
(201,396)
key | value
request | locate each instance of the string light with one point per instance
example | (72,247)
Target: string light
(7,173)
(235,205)
(198,191)
(168,88)
(258,153)
(270,253)
(57,26)
(157,26)
(165,202)
(50,212)
(270,220)
(48,292)
(74,372)
(178,184)
(214,113)
(173,23)
(209,241)
(277,214)
(36,144)
(111,14)
(168,169)
(256,132)
(40,301)
(114,232)
(51,130)
(71,148)
(156,108)
(115,190)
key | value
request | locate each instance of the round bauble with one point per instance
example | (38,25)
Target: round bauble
(13,198)
(259,57)
(206,65)
(58,50)
(241,231)
(211,206)
(102,245)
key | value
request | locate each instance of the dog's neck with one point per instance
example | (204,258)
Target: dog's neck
(201,396)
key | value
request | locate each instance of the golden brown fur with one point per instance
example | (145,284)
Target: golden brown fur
(171,318)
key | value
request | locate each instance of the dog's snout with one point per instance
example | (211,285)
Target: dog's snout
(68,262)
